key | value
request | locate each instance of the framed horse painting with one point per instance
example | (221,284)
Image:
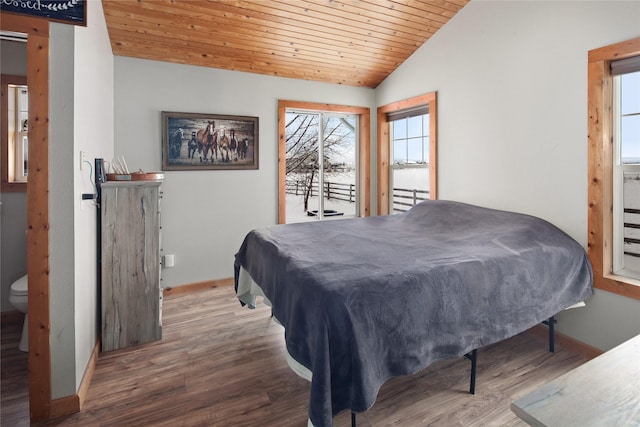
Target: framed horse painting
(192,141)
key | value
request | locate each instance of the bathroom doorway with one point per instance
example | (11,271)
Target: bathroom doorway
(13,223)
(39,358)
(13,192)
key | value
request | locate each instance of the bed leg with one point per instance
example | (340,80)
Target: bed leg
(353,419)
(473,357)
(551,324)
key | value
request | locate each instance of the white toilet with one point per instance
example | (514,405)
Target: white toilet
(18,298)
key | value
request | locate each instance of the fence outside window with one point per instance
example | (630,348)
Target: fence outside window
(403,198)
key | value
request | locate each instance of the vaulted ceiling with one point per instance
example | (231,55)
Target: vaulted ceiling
(351,42)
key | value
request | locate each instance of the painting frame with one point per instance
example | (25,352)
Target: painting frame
(203,141)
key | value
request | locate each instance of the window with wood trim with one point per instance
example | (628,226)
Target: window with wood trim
(14,128)
(606,170)
(420,110)
(321,145)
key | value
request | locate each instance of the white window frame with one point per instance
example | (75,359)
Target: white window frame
(619,170)
(393,166)
(321,114)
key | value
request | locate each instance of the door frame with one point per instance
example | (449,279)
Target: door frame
(39,358)
(364,162)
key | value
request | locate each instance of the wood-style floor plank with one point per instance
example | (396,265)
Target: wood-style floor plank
(220,364)
(14,385)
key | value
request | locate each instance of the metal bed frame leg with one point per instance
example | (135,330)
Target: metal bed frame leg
(551,324)
(473,357)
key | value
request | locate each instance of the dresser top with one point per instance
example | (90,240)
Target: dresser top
(602,392)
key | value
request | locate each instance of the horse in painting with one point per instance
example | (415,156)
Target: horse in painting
(176,144)
(243,147)
(192,145)
(207,140)
(233,144)
(224,146)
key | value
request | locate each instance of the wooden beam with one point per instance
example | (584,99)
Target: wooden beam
(29,25)
(433,146)
(38,227)
(282,161)
(364,171)
(383,163)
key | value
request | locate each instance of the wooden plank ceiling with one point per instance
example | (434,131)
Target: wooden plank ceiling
(351,42)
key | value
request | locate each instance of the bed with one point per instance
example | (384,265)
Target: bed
(366,299)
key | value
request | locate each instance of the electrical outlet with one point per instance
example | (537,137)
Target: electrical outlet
(83,158)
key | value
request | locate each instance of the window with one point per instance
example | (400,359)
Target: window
(14,127)
(323,161)
(18,133)
(407,153)
(409,174)
(626,170)
(611,118)
(321,189)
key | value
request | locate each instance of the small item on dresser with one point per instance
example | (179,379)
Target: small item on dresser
(120,170)
(119,165)
(147,176)
(118,177)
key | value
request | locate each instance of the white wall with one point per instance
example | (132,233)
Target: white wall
(13,207)
(511,79)
(206,214)
(93,134)
(61,231)
(81,118)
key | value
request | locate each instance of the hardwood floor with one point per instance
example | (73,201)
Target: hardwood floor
(14,386)
(220,364)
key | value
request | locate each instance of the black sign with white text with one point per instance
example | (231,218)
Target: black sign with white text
(67,11)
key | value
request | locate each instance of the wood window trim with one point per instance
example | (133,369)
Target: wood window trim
(5,81)
(429,99)
(364,162)
(600,165)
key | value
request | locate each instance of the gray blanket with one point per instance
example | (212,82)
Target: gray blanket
(363,300)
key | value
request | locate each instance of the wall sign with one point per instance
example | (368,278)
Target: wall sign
(66,11)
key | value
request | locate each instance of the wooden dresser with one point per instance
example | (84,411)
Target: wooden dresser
(130,263)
